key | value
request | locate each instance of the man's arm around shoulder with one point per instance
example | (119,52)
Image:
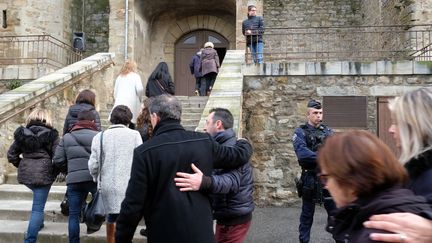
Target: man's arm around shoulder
(231,157)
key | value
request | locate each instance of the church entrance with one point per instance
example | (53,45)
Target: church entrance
(185,48)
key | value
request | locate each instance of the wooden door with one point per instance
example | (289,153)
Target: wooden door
(185,49)
(384,122)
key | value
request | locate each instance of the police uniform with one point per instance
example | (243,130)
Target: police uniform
(306,141)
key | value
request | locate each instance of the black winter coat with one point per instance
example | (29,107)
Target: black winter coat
(232,202)
(74,152)
(36,143)
(420,174)
(346,223)
(172,215)
(72,116)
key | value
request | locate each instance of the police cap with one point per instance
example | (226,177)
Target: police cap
(314,104)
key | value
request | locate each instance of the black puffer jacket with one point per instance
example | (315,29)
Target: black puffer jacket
(256,25)
(72,116)
(346,223)
(420,174)
(74,151)
(36,143)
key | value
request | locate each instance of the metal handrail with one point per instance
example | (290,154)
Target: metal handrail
(36,50)
(347,43)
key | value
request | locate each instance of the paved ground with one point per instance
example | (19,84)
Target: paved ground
(277,225)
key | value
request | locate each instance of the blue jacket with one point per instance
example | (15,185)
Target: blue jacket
(305,148)
(195,65)
(232,200)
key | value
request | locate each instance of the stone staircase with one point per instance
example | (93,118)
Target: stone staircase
(192,107)
(16,200)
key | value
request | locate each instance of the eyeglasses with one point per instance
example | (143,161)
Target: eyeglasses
(323,178)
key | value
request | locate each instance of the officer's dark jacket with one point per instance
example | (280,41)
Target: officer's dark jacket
(172,215)
(306,141)
(256,25)
(232,200)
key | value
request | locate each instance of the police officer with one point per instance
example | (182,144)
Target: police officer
(307,140)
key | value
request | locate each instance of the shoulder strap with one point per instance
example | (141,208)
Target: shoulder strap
(160,85)
(100,158)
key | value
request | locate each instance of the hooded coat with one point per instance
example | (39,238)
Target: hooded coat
(346,223)
(209,61)
(36,144)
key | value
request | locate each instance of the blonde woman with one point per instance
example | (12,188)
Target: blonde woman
(128,89)
(31,152)
(412,131)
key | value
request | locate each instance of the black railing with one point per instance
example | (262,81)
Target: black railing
(36,50)
(361,43)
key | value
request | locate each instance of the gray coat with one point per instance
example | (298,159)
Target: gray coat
(119,143)
(73,152)
(209,61)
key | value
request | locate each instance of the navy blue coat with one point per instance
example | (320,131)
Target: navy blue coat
(195,65)
(72,116)
(256,25)
(232,189)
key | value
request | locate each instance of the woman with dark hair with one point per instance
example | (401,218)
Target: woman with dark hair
(32,152)
(160,81)
(85,100)
(128,89)
(118,144)
(364,178)
(144,126)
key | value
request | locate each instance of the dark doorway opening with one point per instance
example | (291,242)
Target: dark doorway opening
(185,48)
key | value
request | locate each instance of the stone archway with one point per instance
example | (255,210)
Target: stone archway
(193,23)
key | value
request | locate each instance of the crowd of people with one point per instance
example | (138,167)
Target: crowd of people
(161,176)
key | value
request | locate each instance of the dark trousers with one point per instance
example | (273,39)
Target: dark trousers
(77,193)
(210,79)
(200,86)
(232,233)
(307,214)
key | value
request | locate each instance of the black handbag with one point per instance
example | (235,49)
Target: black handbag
(94,215)
(64,206)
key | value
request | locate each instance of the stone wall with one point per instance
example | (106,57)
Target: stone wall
(274,104)
(92,18)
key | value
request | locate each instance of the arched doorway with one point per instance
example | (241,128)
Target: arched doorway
(185,48)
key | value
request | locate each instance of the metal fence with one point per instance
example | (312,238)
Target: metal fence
(36,50)
(362,43)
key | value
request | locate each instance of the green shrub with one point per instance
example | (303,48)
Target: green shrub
(13,84)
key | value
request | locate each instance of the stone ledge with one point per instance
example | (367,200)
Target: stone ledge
(339,68)
(40,86)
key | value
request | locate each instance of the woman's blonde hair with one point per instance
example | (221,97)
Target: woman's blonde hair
(412,113)
(128,67)
(39,114)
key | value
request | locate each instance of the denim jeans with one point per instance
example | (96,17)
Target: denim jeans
(257,49)
(40,195)
(77,193)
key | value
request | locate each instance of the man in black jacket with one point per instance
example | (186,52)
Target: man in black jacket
(231,190)
(172,215)
(253,29)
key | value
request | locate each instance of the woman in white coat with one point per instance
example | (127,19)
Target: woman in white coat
(128,89)
(118,144)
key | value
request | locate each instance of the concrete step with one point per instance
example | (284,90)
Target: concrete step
(195,116)
(20,210)
(11,178)
(13,231)
(21,192)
